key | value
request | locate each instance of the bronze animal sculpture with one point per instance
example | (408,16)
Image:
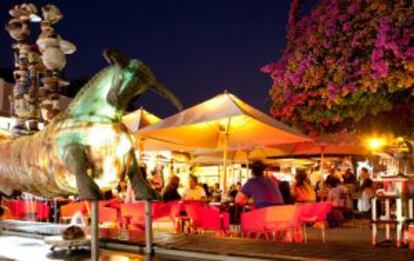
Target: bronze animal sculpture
(85,149)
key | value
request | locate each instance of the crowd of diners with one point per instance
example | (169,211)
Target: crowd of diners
(346,193)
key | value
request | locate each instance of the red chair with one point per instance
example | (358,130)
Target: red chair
(42,211)
(272,220)
(134,213)
(16,208)
(315,214)
(204,218)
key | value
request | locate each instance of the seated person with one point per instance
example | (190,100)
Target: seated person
(120,192)
(170,192)
(194,191)
(284,188)
(338,195)
(216,193)
(303,191)
(350,181)
(157,181)
(234,189)
(262,190)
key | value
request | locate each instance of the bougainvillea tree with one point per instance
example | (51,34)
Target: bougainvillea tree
(344,62)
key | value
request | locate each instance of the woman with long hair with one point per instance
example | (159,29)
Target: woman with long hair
(170,192)
(302,190)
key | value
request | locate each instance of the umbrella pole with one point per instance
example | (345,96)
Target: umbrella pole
(322,160)
(225,162)
(247,168)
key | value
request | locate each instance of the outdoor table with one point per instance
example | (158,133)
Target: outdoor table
(234,210)
(399,220)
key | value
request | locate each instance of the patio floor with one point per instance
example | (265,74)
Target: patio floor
(345,243)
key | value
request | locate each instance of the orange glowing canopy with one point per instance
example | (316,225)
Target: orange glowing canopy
(335,144)
(223,121)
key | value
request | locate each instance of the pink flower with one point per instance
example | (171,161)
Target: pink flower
(294,78)
(377,54)
(332,91)
(346,27)
(409,53)
(380,69)
(395,49)
(383,30)
(353,8)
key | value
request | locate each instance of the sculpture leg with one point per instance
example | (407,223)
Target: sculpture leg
(141,187)
(75,158)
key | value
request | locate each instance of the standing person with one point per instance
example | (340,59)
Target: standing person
(262,190)
(302,190)
(194,191)
(363,175)
(368,192)
(170,192)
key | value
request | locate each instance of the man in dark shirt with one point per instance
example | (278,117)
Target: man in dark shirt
(261,189)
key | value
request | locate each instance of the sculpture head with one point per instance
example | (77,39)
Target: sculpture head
(107,94)
(135,78)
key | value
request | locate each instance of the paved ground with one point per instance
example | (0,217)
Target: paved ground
(346,243)
(27,249)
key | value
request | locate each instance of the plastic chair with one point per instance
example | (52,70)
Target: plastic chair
(204,218)
(16,208)
(42,211)
(274,219)
(133,213)
(316,214)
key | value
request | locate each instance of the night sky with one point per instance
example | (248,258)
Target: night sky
(197,48)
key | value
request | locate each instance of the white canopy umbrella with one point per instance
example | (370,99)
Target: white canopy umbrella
(139,119)
(223,122)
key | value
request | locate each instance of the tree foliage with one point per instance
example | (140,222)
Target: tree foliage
(346,62)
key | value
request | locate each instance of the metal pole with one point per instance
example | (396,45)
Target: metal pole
(225,163)
(225,148)
(94,231)
(148,227)
(322,160)
(247,168)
